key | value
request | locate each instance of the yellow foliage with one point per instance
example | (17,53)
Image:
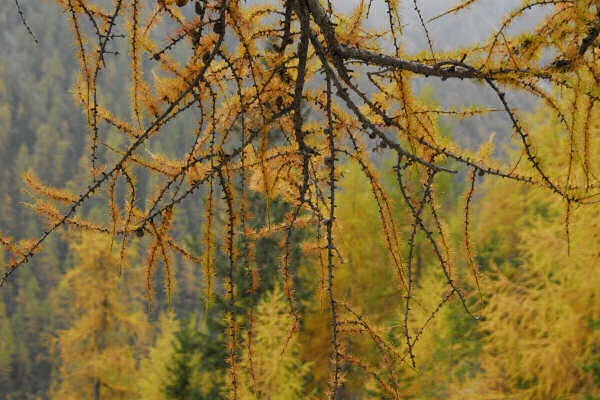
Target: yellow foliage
(96,351)
(282,95)
(152,370)
(270,366)
(541,306)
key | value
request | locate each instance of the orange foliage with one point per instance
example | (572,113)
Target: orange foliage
(276,94)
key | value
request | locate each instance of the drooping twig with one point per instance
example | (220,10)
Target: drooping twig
(24,21)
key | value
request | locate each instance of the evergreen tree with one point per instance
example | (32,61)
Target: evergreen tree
(197,369)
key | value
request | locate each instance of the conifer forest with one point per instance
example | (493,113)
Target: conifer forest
(299,199)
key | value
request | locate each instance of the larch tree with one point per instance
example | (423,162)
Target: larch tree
(6,344)
(152,371)
(541,331)
(98,351)
(334,91)
(269,373)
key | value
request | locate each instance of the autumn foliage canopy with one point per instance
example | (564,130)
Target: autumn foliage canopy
(286,95)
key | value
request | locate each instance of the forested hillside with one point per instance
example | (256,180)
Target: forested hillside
(88,319)
(42,132)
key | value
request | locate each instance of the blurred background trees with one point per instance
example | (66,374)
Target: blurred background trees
(72,327)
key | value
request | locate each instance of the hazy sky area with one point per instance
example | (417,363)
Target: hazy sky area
(469,27)
(472,25)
